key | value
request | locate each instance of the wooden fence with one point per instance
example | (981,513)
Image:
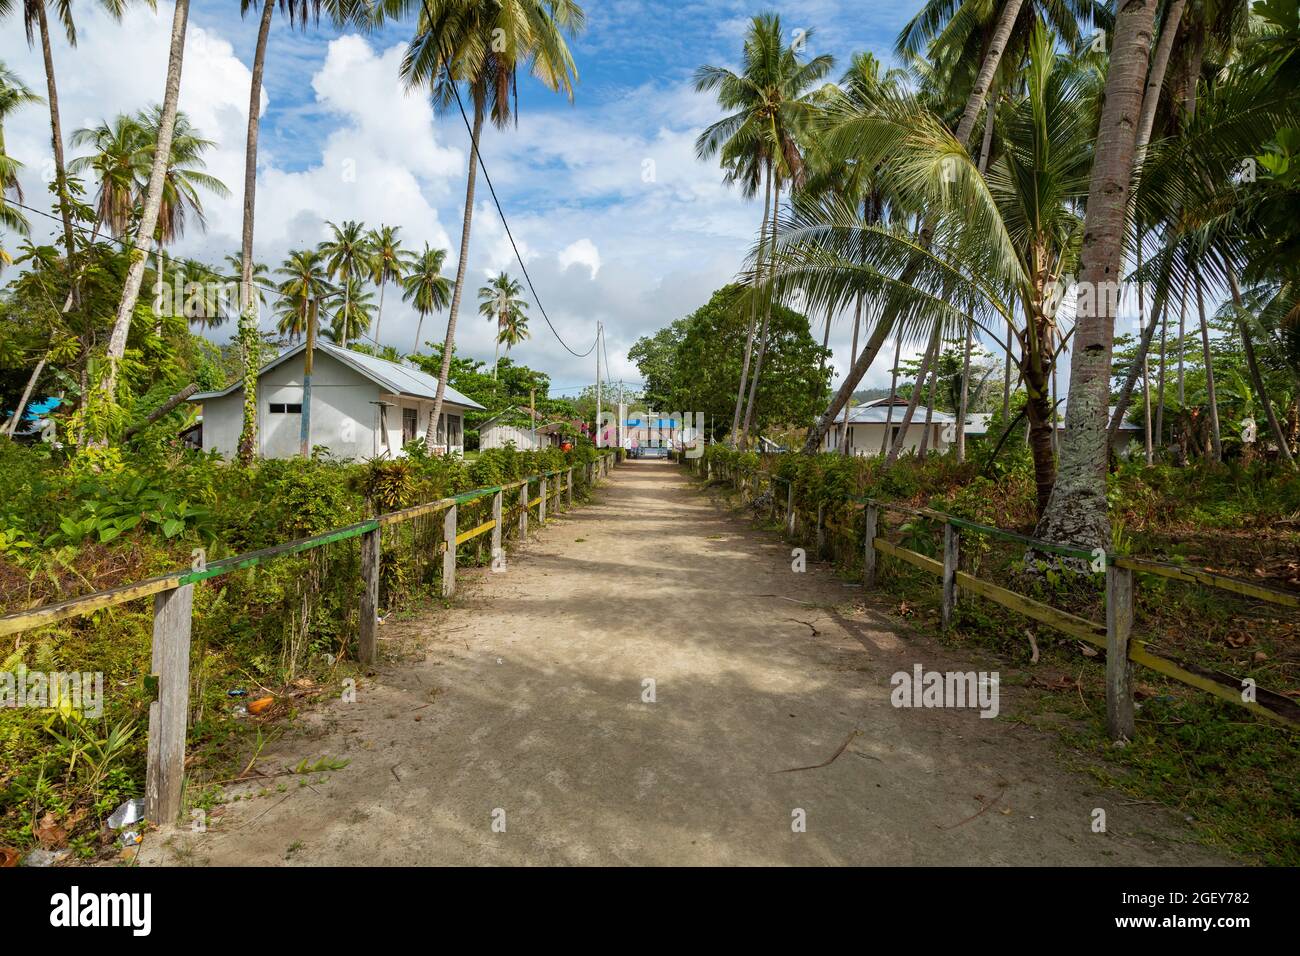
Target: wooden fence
(1115,636)
(173,596)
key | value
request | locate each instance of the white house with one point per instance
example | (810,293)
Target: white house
(497,432)
(867,424)
(361,407)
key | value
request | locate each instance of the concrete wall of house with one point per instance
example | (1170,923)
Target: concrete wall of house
(344,418)
(865,438)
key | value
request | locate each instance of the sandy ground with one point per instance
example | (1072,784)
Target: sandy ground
(525,706)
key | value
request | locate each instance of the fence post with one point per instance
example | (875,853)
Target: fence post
(771,494)
(523,511)
(1119,669)
(872,515)
(168,715)
(789,509)
(368,626)
(819,538)
(496,528)
(541,507)
(951,544)
(568,491)
(449,556)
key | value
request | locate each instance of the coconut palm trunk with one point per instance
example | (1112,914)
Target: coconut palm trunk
(897,447)
(984,79)
(450,342)
(56,139)
(1256,379)
(753,309)
(153,198)
(893,390)
(1076,511)
(853,357)
(974,103)
(1216,440)
(767,321)
(249,340)
(929,409)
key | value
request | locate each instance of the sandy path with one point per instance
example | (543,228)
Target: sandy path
(528,698)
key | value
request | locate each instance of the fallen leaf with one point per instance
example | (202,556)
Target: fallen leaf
(260,705)
(49,834)
(8,856)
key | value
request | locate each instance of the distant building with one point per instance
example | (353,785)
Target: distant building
(361,407)
(977,424)
(868,424)
(497,432)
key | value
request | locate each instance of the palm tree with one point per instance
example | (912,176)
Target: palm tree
(426,287)
(119,162)
(14,94)
(152,207)
(1076,512)
(304,282)
(1001,241)
(989,47)
(35,21)
(356,307)
(388,263)
(299,13)
(770,108)
(482,46)
(184,177)
(347,254)
(502,300)
(261,273)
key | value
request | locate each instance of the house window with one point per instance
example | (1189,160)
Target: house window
(449,425)
(410,423)
(280,408)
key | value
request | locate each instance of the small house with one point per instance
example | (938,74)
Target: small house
(867,425)
(511,427)
(361,407)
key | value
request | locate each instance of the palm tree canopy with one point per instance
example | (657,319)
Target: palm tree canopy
(483,45)
(770,106)
(424,286)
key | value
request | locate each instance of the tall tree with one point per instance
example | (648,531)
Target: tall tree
(347,255)
(388,263)
(770,105)
(152,204)
(481,45)
(425,287)
(304,282)
(298,13)
(1076,511)
(502,301)
(14,95)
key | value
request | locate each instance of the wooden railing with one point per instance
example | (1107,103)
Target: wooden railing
(1115,636)
(173,596)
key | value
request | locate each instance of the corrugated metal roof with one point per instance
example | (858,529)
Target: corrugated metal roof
(876,415)
(391,376)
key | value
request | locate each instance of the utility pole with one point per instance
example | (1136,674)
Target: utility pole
(304,436)
(532,413)
(599,333)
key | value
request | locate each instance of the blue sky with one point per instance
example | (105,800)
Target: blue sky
(601,243)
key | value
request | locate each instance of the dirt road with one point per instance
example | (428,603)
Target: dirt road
(526,706)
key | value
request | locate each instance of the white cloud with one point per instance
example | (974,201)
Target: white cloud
(583,252)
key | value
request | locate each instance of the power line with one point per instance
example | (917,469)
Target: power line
(460,105)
